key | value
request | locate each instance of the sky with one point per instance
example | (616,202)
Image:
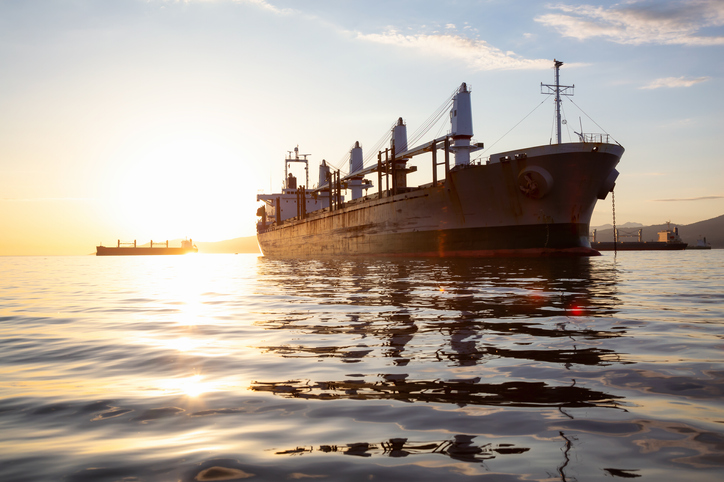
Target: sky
(155,120)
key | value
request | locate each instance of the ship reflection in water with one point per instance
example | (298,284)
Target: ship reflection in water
(365,369)
(459,392)
(467,315)
(461,447)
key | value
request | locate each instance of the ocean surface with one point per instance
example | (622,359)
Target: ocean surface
(238,367)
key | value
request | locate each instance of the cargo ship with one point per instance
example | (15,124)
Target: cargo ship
(669,240)
(131,249)
(532,201)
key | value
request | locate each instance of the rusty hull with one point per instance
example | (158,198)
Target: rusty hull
(528,202)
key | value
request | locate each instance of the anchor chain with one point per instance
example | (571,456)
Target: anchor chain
(548,234)
(615,234)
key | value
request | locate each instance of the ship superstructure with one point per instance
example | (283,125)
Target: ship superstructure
(526,202)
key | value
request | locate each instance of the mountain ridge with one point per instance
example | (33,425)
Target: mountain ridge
(246,244)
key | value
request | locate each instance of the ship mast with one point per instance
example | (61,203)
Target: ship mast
(558,90)
(296,158)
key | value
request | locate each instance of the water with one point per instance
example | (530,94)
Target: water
(216,367)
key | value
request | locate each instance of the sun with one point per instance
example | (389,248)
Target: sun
(185,186)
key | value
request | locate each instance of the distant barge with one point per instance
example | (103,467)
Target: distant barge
(130,249)
(669,240)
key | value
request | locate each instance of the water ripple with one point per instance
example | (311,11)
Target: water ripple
(215,367)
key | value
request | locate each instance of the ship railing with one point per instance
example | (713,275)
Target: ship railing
(162,244)
(595,138)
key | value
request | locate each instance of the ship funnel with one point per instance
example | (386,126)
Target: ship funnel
(355,164)
(462,114)
(323,173)
(355,159)
(399,136)
(461,119)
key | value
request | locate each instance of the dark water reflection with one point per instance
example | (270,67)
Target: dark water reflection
(513,287)
(460,447)
(459,392)
(469,307)
(232,368)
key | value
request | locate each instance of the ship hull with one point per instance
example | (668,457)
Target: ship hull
(141,251)
(480,210)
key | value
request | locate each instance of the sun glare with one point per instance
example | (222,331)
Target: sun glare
(183,187)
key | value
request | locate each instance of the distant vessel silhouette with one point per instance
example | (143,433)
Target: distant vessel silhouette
(700,244)
(669,240)
(131,249)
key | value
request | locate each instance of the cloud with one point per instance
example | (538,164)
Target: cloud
(263,4)
(638,22)
(701,198)
(674,82)
(477,54)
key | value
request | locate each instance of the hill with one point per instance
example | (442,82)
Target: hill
(624,225)
(237,245)
(712,229)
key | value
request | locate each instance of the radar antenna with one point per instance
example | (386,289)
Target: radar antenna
(296,158)
(558,90)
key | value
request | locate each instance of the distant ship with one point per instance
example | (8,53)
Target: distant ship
(534,201)
(131,249)
(700,244)
(669,240)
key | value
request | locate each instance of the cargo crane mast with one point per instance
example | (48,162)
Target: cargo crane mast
(558,90)
(458,141)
